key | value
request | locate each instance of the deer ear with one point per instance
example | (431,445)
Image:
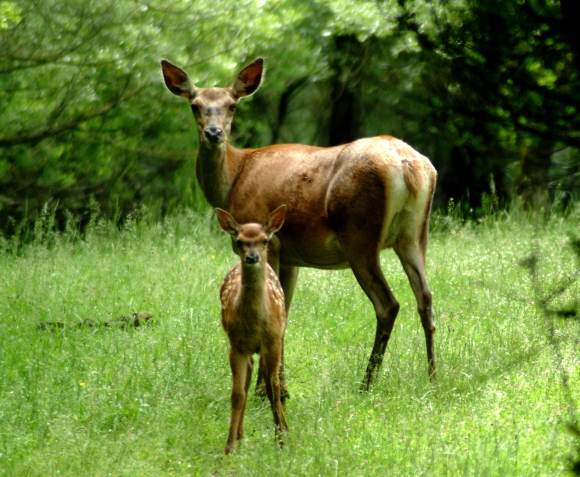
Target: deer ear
(227,222)
(177,81)
(248,80)
(276,220)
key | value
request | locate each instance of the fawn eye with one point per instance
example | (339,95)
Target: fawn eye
(232,108)
(195,108)
(265,241)
(239,243)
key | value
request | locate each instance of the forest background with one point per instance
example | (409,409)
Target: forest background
(488,90)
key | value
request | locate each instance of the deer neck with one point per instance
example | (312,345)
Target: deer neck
(216,169)
(254,287)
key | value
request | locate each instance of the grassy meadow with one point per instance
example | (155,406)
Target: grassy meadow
(154,401)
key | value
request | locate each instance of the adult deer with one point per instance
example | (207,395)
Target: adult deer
(344,204)
(254,318)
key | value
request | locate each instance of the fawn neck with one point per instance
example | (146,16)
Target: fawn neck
(254,286)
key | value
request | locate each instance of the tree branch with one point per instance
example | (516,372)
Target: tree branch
(72,124)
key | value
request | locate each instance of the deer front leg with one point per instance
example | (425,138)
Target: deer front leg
(250,367)
(288,277)
(269,364)
(240,366)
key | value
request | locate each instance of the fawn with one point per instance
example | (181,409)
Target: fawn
(254,318)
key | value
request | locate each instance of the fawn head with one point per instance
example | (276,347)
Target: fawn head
(213,107)
(252,239)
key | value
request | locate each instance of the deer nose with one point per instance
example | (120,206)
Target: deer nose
(213,134)
(252,258)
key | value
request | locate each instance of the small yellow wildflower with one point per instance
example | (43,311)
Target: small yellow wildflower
(82,383)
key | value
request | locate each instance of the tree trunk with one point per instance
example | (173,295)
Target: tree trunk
(532,185)
(345,115)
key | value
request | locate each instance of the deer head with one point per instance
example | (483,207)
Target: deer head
(252,239)
(213,107)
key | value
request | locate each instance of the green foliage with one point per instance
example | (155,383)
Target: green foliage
(84,111)
(558,300)
(9,14)
(502,81)
(155,401)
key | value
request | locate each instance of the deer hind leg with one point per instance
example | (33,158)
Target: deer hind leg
(412,257)
(269,364)
(241,366)
(364,261)
(288,277)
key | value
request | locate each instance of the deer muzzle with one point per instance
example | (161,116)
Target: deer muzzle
(252,258)
(213,134)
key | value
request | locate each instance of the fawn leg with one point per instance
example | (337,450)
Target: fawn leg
(288,277)
(250,367)
(270,369)
(239,364)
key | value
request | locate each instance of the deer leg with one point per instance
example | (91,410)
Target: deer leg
(250,367)
(239,365)
(365,265)
(413,260)
(288,277)
(270,364)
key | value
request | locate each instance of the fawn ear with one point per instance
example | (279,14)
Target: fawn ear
(276,220)
(177,81)
(227,222)
(248,80)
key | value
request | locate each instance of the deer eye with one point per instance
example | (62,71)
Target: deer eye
(265,241)
(239,243)
(195,108)
(232,108)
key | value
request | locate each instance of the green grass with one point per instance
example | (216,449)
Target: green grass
(155,401)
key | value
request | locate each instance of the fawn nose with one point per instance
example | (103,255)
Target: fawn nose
(252,258)
(213,134)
